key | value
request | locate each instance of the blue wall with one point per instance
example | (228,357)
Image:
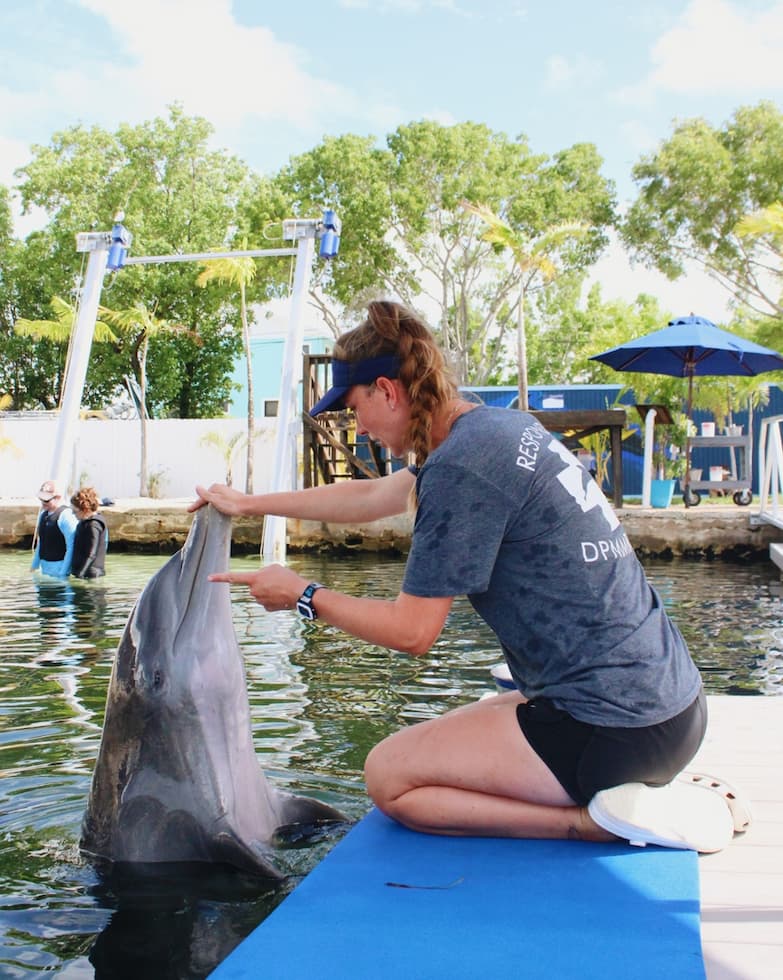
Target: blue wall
(587,397)
(267,357)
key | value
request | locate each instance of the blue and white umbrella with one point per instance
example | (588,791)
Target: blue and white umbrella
(687,347)
(691,346)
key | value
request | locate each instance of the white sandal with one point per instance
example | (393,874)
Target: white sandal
(684,815)
(741,811)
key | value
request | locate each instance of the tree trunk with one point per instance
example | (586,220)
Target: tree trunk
(522,355)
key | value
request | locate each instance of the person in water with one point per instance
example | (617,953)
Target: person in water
(55,529)
(89,547)
(609,706)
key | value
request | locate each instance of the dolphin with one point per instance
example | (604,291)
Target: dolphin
(177,779)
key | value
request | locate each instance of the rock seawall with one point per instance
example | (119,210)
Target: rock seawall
(705,532)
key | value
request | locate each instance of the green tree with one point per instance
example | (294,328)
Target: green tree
(695,189)
(767,224)
(536,259)
(352,176)
(31,369)
(602,324)
(238,272)
(178,196)
(764,230)
(410,237)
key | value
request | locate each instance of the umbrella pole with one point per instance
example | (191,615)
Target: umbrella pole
(687,491)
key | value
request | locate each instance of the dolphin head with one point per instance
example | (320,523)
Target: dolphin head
(177,779)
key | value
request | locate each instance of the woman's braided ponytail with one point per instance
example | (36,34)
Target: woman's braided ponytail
(392,329)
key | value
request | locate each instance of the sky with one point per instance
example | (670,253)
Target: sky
(275,77)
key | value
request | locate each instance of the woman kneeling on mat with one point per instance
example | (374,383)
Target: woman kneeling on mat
(609,707)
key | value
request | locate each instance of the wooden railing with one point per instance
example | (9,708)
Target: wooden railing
(771,471)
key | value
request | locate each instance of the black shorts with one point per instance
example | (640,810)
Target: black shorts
(587,758)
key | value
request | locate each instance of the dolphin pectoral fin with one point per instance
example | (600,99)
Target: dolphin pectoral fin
(305,809)
(305,819)
(228,849)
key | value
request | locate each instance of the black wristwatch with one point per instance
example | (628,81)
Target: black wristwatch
(304,604)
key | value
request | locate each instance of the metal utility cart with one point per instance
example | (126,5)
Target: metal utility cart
(741,485)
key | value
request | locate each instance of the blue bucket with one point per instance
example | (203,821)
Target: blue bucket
(661,492)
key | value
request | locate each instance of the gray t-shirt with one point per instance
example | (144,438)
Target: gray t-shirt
(510,518)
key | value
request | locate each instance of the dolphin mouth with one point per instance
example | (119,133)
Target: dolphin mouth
(207,547)
(206,550)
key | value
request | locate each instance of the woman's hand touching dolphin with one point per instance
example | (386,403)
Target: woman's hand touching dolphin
(224,498)
(274,587)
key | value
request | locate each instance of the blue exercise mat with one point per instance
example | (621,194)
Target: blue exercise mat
(390,903)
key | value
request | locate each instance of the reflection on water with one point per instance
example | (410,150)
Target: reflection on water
(319,701)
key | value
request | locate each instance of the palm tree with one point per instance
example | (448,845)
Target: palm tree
(767,221)
(140,324)
(238,271)
(6,444)
(226,447)
(60,328)
(535,257)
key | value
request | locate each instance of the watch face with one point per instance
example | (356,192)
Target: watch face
(304,608)
(304,604)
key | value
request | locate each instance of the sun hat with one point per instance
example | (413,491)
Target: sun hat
(48,491)
(346,374)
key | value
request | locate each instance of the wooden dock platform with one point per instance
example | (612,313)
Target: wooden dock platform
(742,886)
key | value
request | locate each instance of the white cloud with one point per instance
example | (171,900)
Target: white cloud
(195,52)
(13,154)
(716,47)
(694,292)
(384,6)
(405,6)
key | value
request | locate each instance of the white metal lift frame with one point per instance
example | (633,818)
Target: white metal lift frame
(100,245)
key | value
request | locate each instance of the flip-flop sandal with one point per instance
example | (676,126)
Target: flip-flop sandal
(684,815)
(741,811)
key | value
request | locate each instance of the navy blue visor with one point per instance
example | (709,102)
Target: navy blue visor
(346,374)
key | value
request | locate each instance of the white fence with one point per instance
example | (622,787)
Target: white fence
(107,455)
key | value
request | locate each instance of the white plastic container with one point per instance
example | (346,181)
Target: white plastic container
(716,474)
(708,428)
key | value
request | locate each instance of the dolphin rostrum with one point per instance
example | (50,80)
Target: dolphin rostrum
(177,779)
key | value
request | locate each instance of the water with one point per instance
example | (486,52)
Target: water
(319,701)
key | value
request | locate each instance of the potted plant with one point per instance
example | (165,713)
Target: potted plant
(669,459)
